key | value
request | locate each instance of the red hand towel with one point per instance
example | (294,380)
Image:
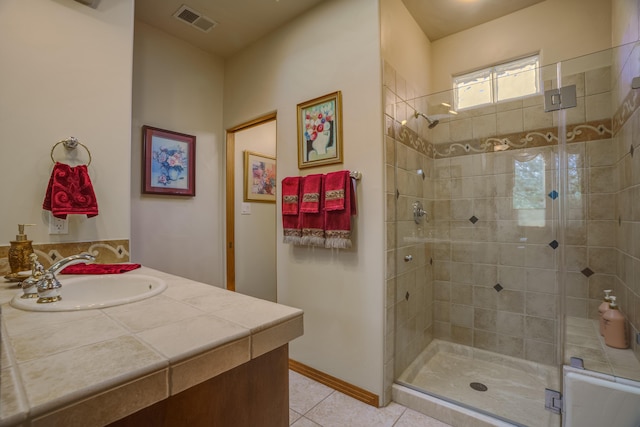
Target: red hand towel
(311,194)
(70,192)
(290,190)
(291,187)
(339,191)
(311,215)
(334,190)
(99,268)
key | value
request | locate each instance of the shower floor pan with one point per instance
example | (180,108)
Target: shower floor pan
(507,387)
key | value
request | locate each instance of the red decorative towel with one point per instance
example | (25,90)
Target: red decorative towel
(340,204)
(291,188)
(290,192)
(311,191)
(99,268)
(334,190)
(70,192)
(311,215)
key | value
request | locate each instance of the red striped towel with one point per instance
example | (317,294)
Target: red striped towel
(339,199)
(291,188)
(290,191)
(311,193)
(311,215)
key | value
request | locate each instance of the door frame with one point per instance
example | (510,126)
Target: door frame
(230,200)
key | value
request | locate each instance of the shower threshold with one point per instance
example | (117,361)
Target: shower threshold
(504,387)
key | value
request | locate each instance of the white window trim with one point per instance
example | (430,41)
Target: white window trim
(492,72)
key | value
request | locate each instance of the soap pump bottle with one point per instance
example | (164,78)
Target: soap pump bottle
(616,332)
(19,251)
(602,308)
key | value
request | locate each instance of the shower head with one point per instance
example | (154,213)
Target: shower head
(432,123)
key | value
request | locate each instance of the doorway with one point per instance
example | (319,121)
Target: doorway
(250,224)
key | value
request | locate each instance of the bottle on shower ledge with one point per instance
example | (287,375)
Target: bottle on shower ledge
(616,331)
(603,308)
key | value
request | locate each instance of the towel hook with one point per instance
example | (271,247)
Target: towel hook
(70,143)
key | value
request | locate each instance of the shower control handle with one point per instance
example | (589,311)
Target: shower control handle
(418,212)
(408,258)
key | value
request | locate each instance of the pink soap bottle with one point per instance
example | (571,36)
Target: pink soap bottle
(616,332)
(603,308)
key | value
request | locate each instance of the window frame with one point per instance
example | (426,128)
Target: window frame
(493,79)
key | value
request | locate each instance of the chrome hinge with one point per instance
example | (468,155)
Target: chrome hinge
(559,99)
(552,401)
(577,363)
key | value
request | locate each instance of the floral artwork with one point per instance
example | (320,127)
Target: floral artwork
(319,131)
(169,165)
(260,178)
(168,162)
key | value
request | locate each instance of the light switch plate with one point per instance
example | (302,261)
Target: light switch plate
(245,209)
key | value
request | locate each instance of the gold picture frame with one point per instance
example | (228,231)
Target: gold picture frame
(320,131)
(259,178)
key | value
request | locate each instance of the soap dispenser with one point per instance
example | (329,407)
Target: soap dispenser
(616,331)
(602,308)
(19,251)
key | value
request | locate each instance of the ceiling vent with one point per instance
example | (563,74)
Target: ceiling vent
(194,18)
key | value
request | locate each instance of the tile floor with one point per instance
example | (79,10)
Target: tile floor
(312,404)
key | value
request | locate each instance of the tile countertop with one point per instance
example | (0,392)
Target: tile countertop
(96,366)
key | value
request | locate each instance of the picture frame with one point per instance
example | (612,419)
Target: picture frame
(320,131)
(168,162)
(259,178)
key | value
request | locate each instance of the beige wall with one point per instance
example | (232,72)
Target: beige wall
(333,47)
(406,47)
(559,29)
(255,232)
(66,71)
(179,87)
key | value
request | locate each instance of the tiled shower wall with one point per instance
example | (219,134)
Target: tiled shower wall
(495,273)
(493,276)
(626,124)
(409,294)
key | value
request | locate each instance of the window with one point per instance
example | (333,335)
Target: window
(529,199)
(497,83)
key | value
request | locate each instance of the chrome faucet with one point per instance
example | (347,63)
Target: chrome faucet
(44,282)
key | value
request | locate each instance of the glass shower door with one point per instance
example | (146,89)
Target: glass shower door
(477,302)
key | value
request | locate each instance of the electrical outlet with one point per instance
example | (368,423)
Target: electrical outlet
(58,225)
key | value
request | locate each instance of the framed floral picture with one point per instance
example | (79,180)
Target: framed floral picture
(320,131)
(168,162)
(259,178)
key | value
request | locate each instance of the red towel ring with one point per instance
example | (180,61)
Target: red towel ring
(70,144)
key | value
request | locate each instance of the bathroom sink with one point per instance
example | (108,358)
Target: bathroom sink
(99,291)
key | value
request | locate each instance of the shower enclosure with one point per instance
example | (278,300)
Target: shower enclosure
(505,224)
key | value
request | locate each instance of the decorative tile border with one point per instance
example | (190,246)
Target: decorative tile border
(105,251)
(599,129)
(626,109)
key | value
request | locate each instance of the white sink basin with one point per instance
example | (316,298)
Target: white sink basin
(99,291)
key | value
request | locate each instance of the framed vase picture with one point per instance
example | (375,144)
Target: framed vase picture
(259,178)
(168,162)
(320,131)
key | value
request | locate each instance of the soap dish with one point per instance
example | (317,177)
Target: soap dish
(17,277)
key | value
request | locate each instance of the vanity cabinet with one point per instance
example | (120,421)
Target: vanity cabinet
(253,394)
(194,355)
